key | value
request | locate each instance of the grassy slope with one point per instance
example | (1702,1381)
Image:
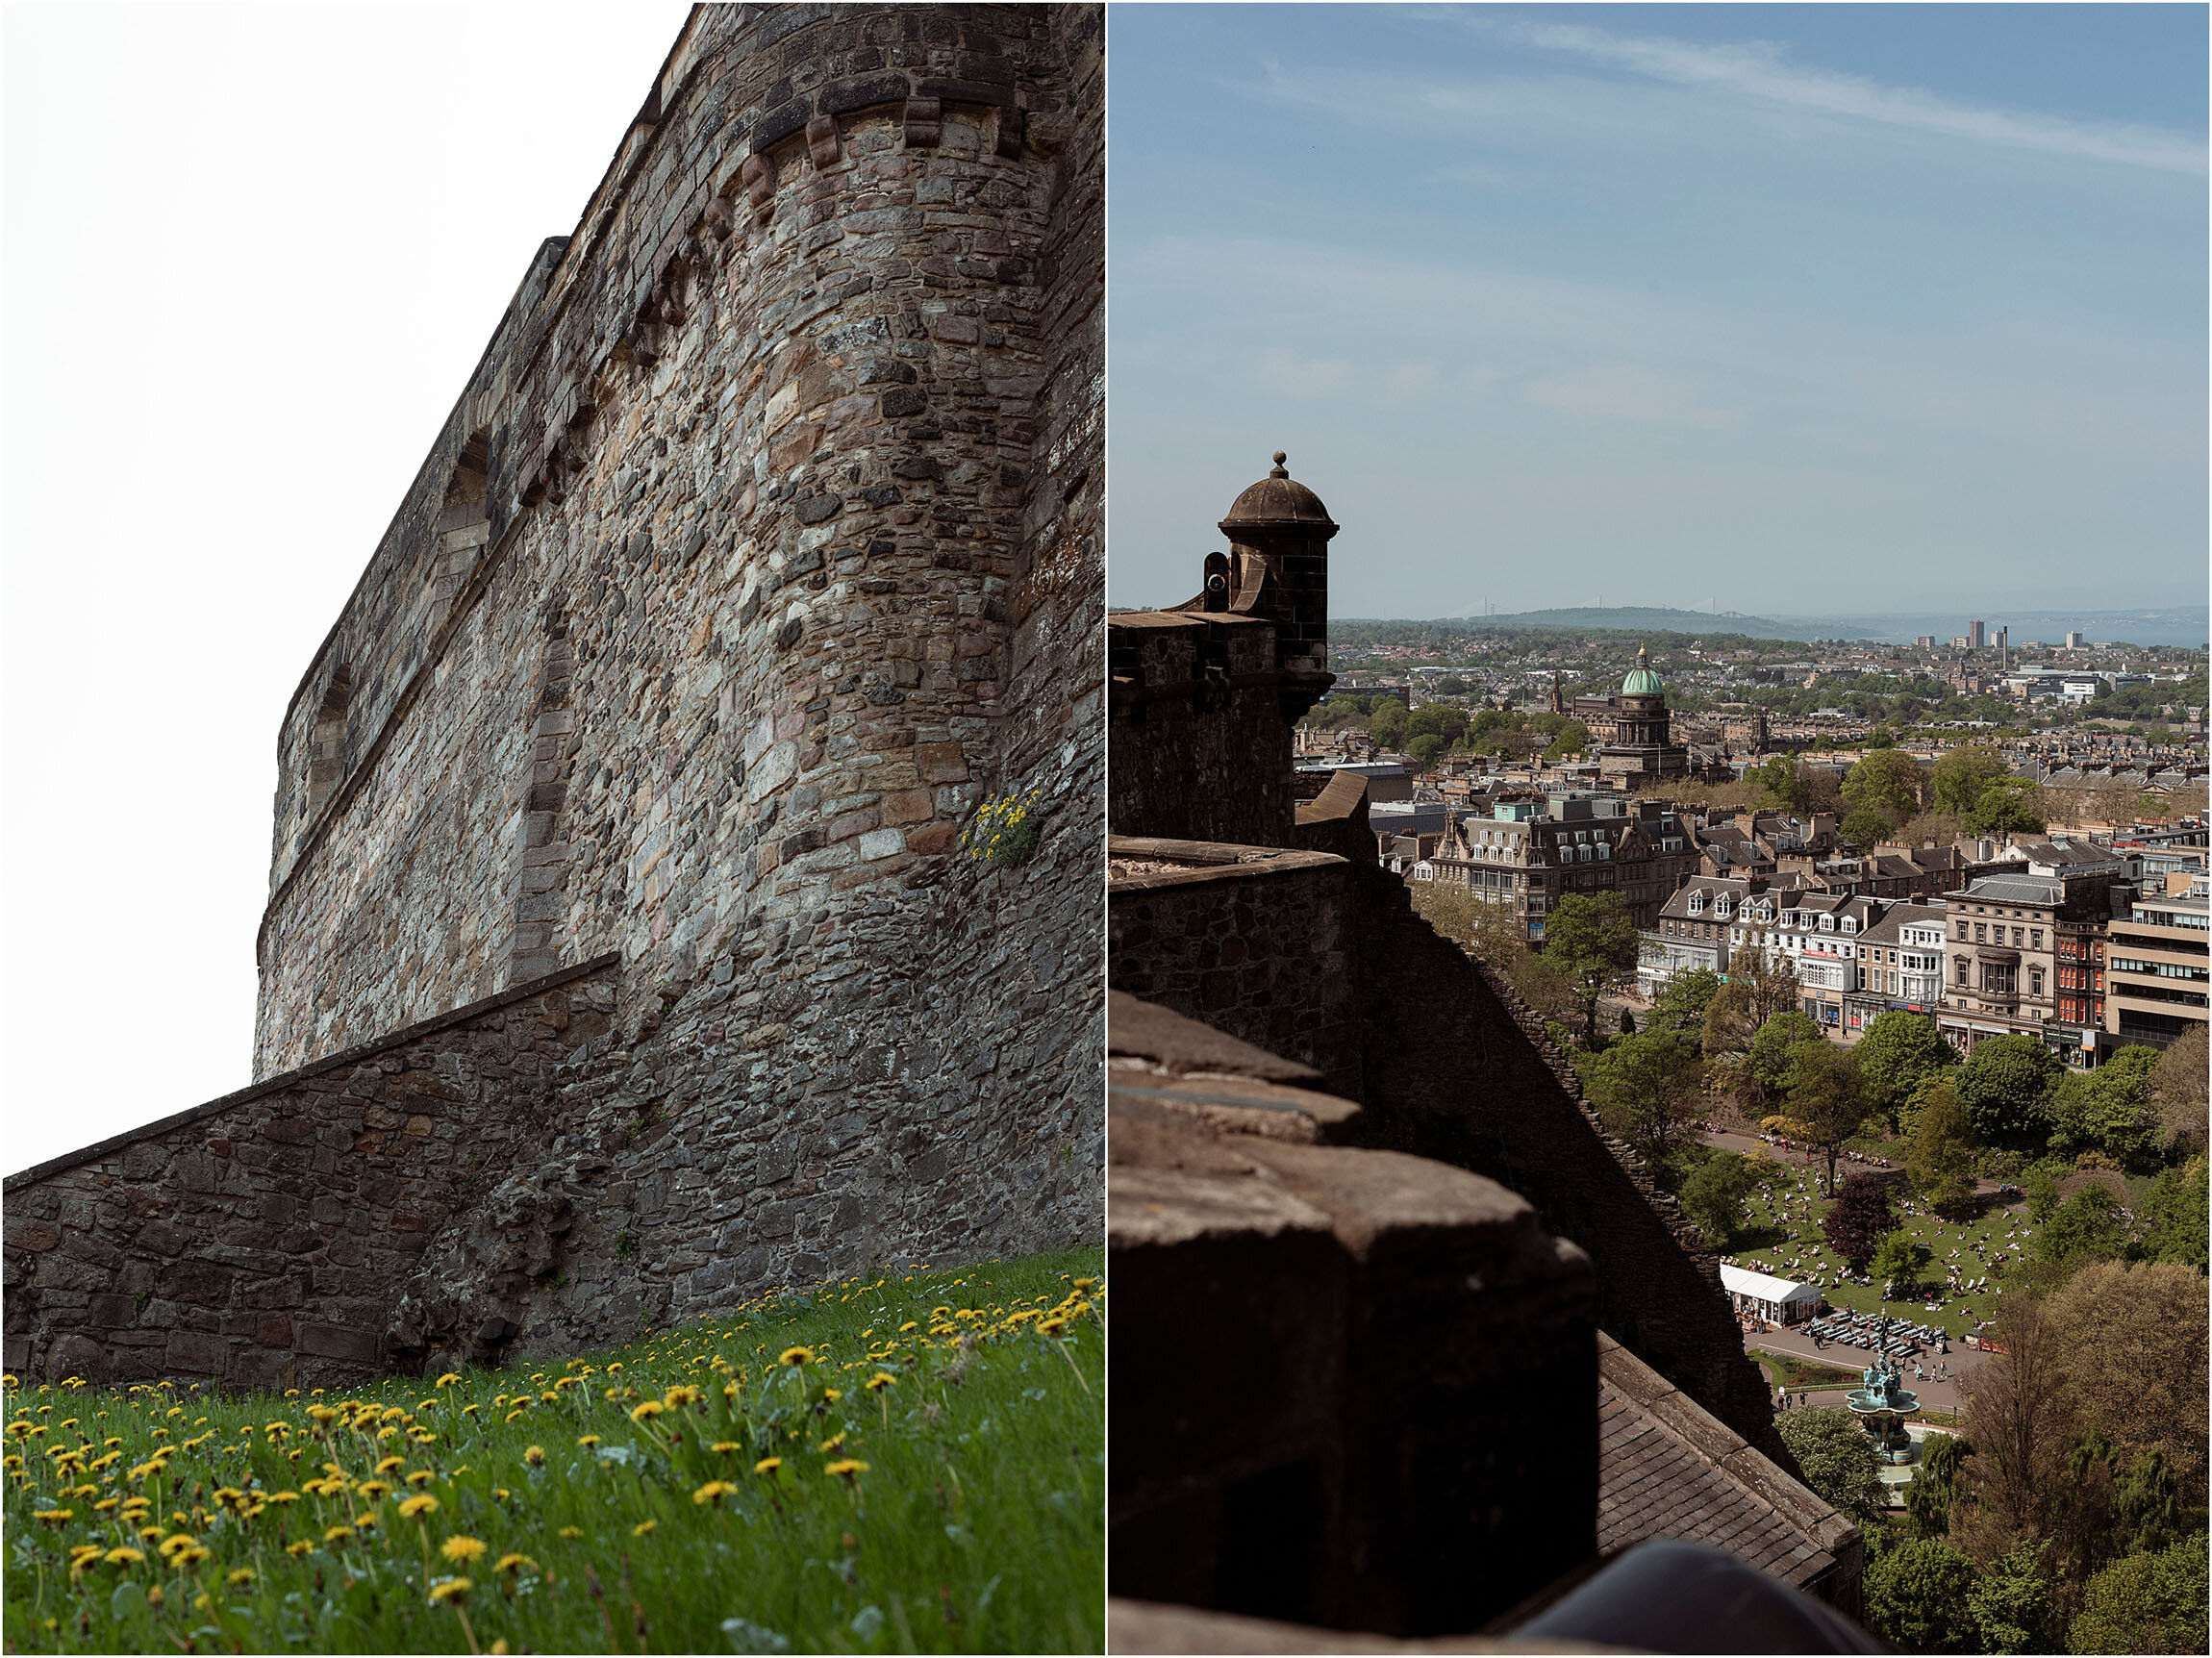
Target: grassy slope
(976,1523)
(1777,1231)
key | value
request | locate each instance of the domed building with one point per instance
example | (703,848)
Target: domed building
(1633,730)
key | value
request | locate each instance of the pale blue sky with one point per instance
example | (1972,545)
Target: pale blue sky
(1814,309)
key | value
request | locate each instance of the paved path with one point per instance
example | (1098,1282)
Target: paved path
(1934,1395)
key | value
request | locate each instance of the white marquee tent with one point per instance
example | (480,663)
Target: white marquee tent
(1778,1301)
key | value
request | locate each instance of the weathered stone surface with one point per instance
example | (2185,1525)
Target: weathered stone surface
(625,657)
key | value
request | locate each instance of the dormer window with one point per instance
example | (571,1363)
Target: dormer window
(1850,925)
(1697,901)
(1828,923)
(1721,911)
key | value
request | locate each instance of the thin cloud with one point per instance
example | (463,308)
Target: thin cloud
(1756,69)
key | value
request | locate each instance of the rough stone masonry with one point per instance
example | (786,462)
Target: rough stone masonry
(621,955)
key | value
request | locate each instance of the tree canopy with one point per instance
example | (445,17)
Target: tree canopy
(1836,1458)
(1593,941)
(1915,1595)
(1646,1088)
(1859,1219)
(1826,1099)
(2005,1086)
(1899,1052)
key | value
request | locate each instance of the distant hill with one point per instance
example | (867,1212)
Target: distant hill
(2170,625)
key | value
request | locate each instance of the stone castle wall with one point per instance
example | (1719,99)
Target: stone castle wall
(763,543)
(258,1238)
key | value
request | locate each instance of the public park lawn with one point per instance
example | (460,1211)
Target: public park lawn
(899,1463)
(1767,1243)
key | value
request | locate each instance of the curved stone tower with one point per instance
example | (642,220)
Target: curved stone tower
(761,547)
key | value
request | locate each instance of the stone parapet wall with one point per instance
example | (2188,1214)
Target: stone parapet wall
(1255,940)
(1202,747)
(260,1240)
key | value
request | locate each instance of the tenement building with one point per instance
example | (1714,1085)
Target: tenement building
(1529,854)
(2003,956)
(622,954)
(1503,1352)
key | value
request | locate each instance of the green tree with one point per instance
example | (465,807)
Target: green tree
(1425,750)
(2010,1606)
(2085,1227)
(1836,1457)
(1961,777)
(1387,725)
(1714,1194)
(1826,1099)
(1759,986)
(1572,737)
(1899,1052)
(1595,943)
(1888,782)
(1646,1088)
(2145,1603)
(1939,1156)
(2180,1091)
(1784,781)
(1859,1219)
(2039,1187)
(1898,1262)
(2013,807)
(1680,1006)
(1775,1048)
(2173,1218)
(2005,1086)
(1866,826)
(2109,1110)
(1917,1598)
(1935,1484)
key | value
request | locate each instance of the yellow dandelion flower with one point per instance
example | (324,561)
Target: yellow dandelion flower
(795,1356)
(374,1488)
(768,1464)
(713,1491)
(534,1456)
(125,1556)
(836,1442)
(448,1379)
(458,1549)
(881,1381)
(413,1507)
(389,1464)
(453,1589)
(420,1476)
(646,1409)
(846,1468)
(570,1532)
(240,1576)
(724,1448)
(587,1441)
(643,1528)
(189,1559)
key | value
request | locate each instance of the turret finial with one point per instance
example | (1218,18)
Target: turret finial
(1279,472)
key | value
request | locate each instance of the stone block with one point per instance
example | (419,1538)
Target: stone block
(337,1342)
(196,1352)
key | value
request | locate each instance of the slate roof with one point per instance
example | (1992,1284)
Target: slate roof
(2016,889)
(1666,1468)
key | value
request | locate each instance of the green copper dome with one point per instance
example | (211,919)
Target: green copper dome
(1641,680)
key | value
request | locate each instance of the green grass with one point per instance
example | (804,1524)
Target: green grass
(1773,1242)
(968,1514)
(1787,1371)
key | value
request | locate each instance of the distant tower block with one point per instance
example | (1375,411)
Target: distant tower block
(1974,637)
(1279,536)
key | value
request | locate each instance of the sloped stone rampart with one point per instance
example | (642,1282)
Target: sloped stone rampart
(259,1239)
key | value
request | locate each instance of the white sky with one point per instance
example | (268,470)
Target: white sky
(250,255)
